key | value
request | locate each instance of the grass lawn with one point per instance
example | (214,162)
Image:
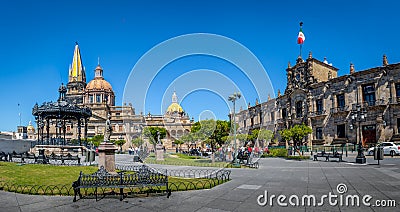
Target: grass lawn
(38,174)
(184,160)
(57,180)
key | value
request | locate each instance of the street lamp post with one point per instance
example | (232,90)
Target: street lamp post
(233,99)
(357,116)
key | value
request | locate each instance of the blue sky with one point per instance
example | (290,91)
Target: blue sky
(38,40)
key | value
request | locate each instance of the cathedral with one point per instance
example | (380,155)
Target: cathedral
(99,96)
(361,106)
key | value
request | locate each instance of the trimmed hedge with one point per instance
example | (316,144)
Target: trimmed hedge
(281,152)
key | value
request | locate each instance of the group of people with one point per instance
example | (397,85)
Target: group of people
(227,153)
(133,150)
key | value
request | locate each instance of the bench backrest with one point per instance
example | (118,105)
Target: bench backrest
(104,178)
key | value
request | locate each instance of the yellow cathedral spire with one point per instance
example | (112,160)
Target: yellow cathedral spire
(76,69)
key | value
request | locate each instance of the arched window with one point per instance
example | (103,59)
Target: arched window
(299,109)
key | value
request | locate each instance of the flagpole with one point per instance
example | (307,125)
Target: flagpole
(300,49)
(301,31)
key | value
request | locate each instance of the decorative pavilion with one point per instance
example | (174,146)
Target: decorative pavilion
(60,114)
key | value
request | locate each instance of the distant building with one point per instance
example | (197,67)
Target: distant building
(22,132)
(317,96)
(6,135)
(176,122)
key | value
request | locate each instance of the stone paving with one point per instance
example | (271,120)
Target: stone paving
(276,176)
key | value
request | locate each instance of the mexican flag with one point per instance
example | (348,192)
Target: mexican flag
(301,38)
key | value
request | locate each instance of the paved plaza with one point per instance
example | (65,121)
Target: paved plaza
(274,177)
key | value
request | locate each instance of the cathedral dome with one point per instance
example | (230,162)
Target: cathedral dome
(174,108)
(99,84)
(30,128)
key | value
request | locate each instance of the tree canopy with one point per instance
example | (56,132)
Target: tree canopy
(137,141)
(211,132)
(151,133)
(296,133)
(96,140)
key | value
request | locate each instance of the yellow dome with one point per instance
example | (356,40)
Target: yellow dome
(174,107)
(99,84)
(30,128)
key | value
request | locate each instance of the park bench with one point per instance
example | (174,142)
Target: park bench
(143,177)
(242,157)
(3,156)
(23,156)
(63,158)
(328,155)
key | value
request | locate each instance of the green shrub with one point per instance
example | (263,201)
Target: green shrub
(298,157)
(281,152)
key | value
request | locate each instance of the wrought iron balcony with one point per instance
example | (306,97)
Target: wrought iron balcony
(317,113)
(378,102)
(340,109)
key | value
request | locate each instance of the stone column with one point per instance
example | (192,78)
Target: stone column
(159,148)
(107,156)
(107,149)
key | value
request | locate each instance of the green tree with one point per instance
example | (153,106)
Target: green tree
(242,138)
(96,140)
(265,136)
(151,134)
(179,142)
(188,139)
(297,133)
(119,143)
(137,141)
(211,132)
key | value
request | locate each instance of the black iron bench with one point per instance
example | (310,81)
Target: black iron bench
(23,156)
(70,157)
(143,177)
(242,157)
(63,158)
(321,155)
(336,155)
(3,156)
(328,155)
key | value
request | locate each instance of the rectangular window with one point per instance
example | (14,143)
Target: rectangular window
(318,133)
(90,99)
(284,113)
(299,109)
(244,123)
(340,101)
(98,98)
(272,116)
(341,131)
(320,106)
(397,89)
(369,94)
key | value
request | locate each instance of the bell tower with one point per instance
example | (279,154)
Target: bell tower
(76,78)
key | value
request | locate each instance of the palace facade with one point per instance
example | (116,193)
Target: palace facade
(329,104)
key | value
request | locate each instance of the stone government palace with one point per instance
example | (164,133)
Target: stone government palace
(329,104)
(314,95)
